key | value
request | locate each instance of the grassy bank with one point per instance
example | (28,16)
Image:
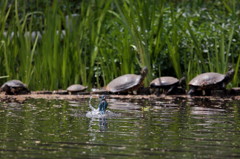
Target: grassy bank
(92,42)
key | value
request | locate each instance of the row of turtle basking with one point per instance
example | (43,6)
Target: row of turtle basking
(202,84)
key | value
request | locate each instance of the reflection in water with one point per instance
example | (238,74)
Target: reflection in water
(103,125)
(181,128)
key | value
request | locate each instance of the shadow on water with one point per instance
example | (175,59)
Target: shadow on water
(178,128)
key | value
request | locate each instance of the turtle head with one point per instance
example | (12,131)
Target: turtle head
(4,87)
(144,71)
(229,75)
(182,82)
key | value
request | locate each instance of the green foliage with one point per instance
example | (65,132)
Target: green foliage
(92,42)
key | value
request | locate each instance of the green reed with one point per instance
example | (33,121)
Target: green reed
(105,39)
(3,77)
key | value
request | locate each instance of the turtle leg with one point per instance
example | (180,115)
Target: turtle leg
(6,89)
(15,91)
(182,83)
(192,91)
(10,91)
(170,90)
(157,91)
(134,92)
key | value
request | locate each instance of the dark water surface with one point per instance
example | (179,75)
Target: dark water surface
(141,129)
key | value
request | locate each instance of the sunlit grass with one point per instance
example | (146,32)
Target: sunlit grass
(106,39)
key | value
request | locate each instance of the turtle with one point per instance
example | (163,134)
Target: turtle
(76,88)
(14,87)
(210,81)
(168,84)
(127,82)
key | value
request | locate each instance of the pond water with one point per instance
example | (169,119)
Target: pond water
(139,129)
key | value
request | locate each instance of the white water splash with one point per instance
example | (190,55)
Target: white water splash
(95,113)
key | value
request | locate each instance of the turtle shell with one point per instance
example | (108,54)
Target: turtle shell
(207,79)
(124,83)
(14,84)
(164,81)
(76,88)
(14,87)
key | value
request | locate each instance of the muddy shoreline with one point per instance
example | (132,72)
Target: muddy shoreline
(48,96)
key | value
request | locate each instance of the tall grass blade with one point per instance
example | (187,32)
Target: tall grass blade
(1,77)
(170,38)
